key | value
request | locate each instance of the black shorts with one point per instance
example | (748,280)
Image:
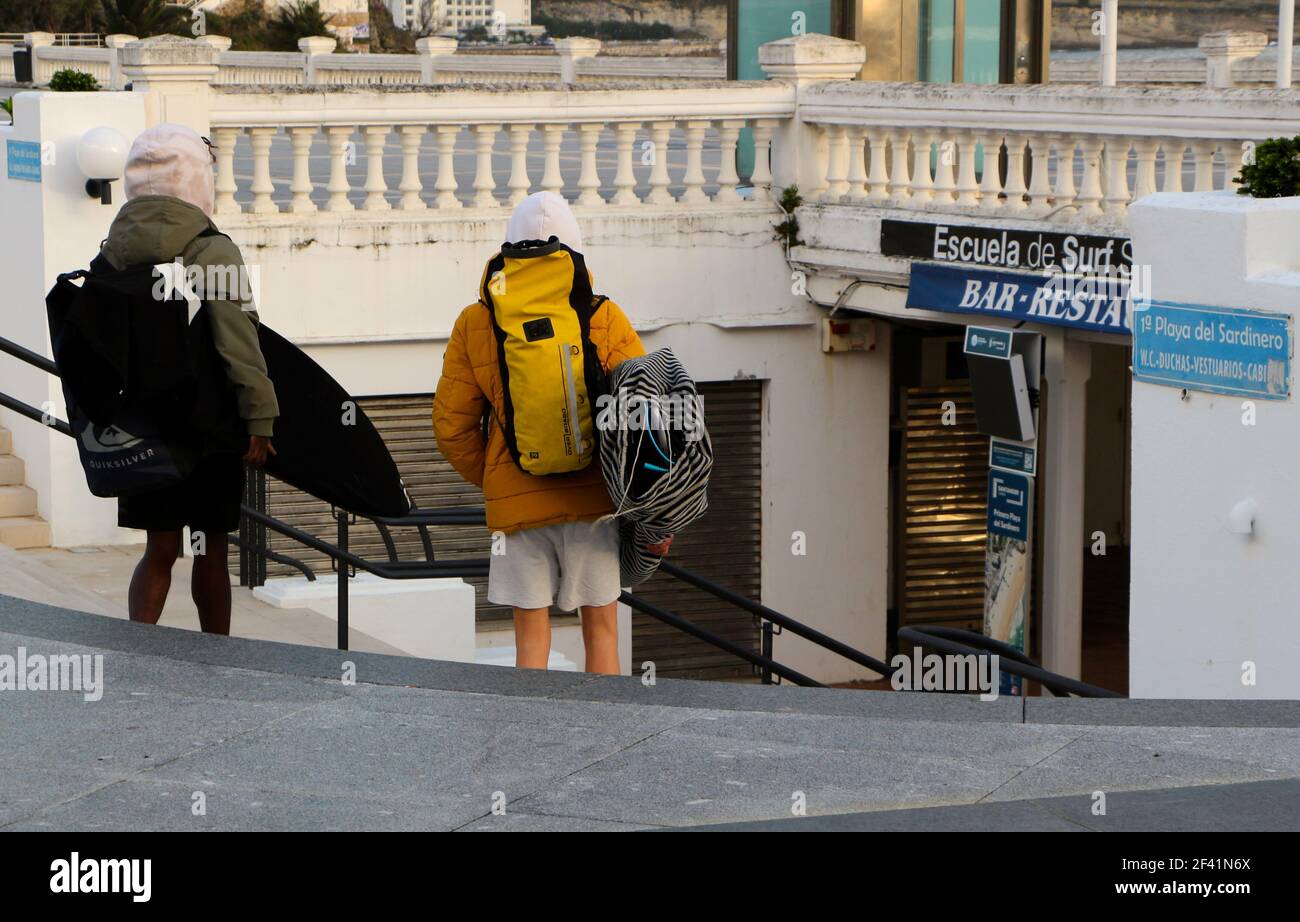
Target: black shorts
(207,501)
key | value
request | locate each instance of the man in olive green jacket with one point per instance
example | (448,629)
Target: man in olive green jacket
(166,219)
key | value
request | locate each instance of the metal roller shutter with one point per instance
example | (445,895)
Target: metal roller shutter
(406,423)
(723,546)
(942,532)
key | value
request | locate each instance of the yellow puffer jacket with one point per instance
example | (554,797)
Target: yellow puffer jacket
(470,381)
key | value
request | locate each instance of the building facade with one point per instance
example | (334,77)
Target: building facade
(459,15)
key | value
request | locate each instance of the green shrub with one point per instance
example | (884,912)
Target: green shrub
(8,106)
(1273,171)
(787,232)
(73,81)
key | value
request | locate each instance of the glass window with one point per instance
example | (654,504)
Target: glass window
(982,43)
(937,30)
(761,21)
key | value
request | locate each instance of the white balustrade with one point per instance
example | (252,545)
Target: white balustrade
(1045,152)
(633,154)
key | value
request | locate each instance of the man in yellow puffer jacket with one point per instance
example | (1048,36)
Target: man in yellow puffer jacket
(555,548)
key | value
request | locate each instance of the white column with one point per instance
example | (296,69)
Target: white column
(1110,42)
(313,47)
(376,137)
(519,182)
(1285,42)
(410,185)
(341,150)
(116,42)
(572,50)
(1067,368)
(445,185)
(429,48)
(659,180)
(693,178)
(589,178)
(226,186)
(728,178)
(799,148)
(625,179)
(260,142)
(175,74)
(764,129)
(300,138)
(484,182)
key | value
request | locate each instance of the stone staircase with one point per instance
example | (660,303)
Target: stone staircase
(20,526)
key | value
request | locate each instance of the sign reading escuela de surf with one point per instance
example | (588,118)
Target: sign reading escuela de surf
(1096,303)
(1218,350)
(1005,248)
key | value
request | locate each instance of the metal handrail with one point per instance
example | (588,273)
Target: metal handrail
(343,558)
(762,611)
(967,643)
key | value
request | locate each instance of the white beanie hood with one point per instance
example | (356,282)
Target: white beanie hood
(171,160)
(544,215)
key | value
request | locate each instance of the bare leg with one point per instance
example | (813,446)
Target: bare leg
(600,638)
(153,576)
(532,637)
(210,586)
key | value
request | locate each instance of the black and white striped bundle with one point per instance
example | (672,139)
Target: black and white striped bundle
(655,454)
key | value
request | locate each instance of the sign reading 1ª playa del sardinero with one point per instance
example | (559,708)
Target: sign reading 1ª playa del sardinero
(1214,349)
(1100,303)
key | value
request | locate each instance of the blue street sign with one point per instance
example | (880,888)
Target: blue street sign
(1088,303)
(1011,504)
(1013,456)
(989,341)
(24,160)
(1219,350)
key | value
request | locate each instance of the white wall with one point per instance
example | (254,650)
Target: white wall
(1204,601)
(50,228)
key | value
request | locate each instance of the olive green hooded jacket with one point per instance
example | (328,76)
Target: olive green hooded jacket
(158,229)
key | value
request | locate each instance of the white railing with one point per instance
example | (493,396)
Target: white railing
(100,63)
(83,39)
(261,68)
(1164,67)
(522,140)
(1070,153)
(293,68)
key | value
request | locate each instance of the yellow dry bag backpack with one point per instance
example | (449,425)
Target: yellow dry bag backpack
(539,295)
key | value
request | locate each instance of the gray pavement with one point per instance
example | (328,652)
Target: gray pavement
(264,735)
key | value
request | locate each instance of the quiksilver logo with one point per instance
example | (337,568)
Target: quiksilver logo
(103,875)
(107,438)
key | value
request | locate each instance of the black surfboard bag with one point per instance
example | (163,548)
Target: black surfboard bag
(146,391)
(325,444)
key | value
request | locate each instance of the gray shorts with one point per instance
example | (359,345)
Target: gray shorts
(568,565)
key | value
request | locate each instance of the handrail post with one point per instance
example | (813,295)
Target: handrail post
(259,530)
(766,627)
(344,570)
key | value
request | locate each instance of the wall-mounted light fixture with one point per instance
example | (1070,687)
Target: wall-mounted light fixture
(1241,520)
(101,155)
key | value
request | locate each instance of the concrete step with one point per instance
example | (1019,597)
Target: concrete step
(24,532)
(12,471)
(17,501)
(6,441)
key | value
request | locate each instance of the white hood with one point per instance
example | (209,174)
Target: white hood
(171,160)
(544,215)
